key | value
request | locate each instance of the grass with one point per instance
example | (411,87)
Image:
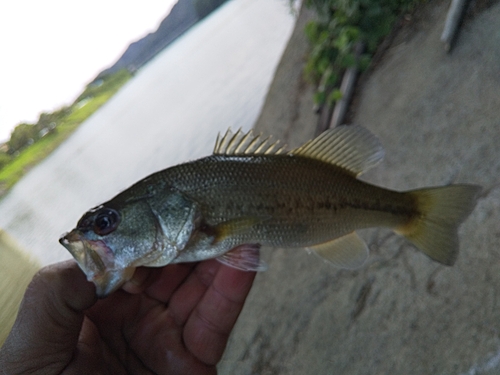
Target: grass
(17,269)
(89,102)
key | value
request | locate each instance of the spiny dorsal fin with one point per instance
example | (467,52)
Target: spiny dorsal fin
(241,143)
(351,147)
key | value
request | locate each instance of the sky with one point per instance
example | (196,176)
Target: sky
(50,49)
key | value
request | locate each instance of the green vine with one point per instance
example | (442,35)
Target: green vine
(341,26)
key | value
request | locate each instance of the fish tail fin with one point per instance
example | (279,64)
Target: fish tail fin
(440,210)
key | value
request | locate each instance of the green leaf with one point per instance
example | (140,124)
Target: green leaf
(364,62)
(319,97)
(348,60)
(335,95)
(340,25)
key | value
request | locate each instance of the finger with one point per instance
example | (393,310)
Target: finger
(208,327)
(189,294)
(159,344)
(143,277)
(168,280)
(92,354)
(50,318)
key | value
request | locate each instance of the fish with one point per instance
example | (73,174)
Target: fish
(250,193)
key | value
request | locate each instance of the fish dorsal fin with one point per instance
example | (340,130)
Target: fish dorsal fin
(348,251)
(241,143)
(350,147)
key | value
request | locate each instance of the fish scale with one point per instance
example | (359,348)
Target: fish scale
(288,193)
(249,193)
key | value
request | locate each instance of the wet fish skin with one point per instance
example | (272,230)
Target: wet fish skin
(295,201)
(246,193)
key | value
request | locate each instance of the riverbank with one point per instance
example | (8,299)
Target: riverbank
(30,144)
(16,270)
(437,115)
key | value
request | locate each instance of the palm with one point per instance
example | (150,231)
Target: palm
(178,321)
(179,324)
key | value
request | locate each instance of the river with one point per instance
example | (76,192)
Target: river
(214,77)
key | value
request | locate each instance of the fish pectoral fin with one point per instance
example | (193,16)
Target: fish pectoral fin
(228,228)
(348,251)
(244,257)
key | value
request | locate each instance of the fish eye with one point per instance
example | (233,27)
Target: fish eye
(106,221)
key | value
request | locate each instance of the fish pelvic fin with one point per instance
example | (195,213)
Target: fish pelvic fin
(244,257)
(351,147)
(348,251)
(441,211)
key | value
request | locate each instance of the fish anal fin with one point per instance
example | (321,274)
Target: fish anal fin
(350,147)
(244,257)
(348,251)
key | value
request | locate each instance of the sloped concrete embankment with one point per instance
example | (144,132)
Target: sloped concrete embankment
(438,116)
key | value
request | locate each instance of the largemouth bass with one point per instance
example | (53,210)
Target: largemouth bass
(250,192)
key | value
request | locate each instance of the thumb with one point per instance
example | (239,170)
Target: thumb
(49,321)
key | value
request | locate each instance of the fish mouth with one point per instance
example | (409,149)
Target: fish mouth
(96,260)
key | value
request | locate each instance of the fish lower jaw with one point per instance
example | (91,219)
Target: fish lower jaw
(110,280)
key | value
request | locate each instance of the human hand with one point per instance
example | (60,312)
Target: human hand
(171,320)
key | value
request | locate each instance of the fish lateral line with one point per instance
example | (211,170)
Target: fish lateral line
(183,213)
